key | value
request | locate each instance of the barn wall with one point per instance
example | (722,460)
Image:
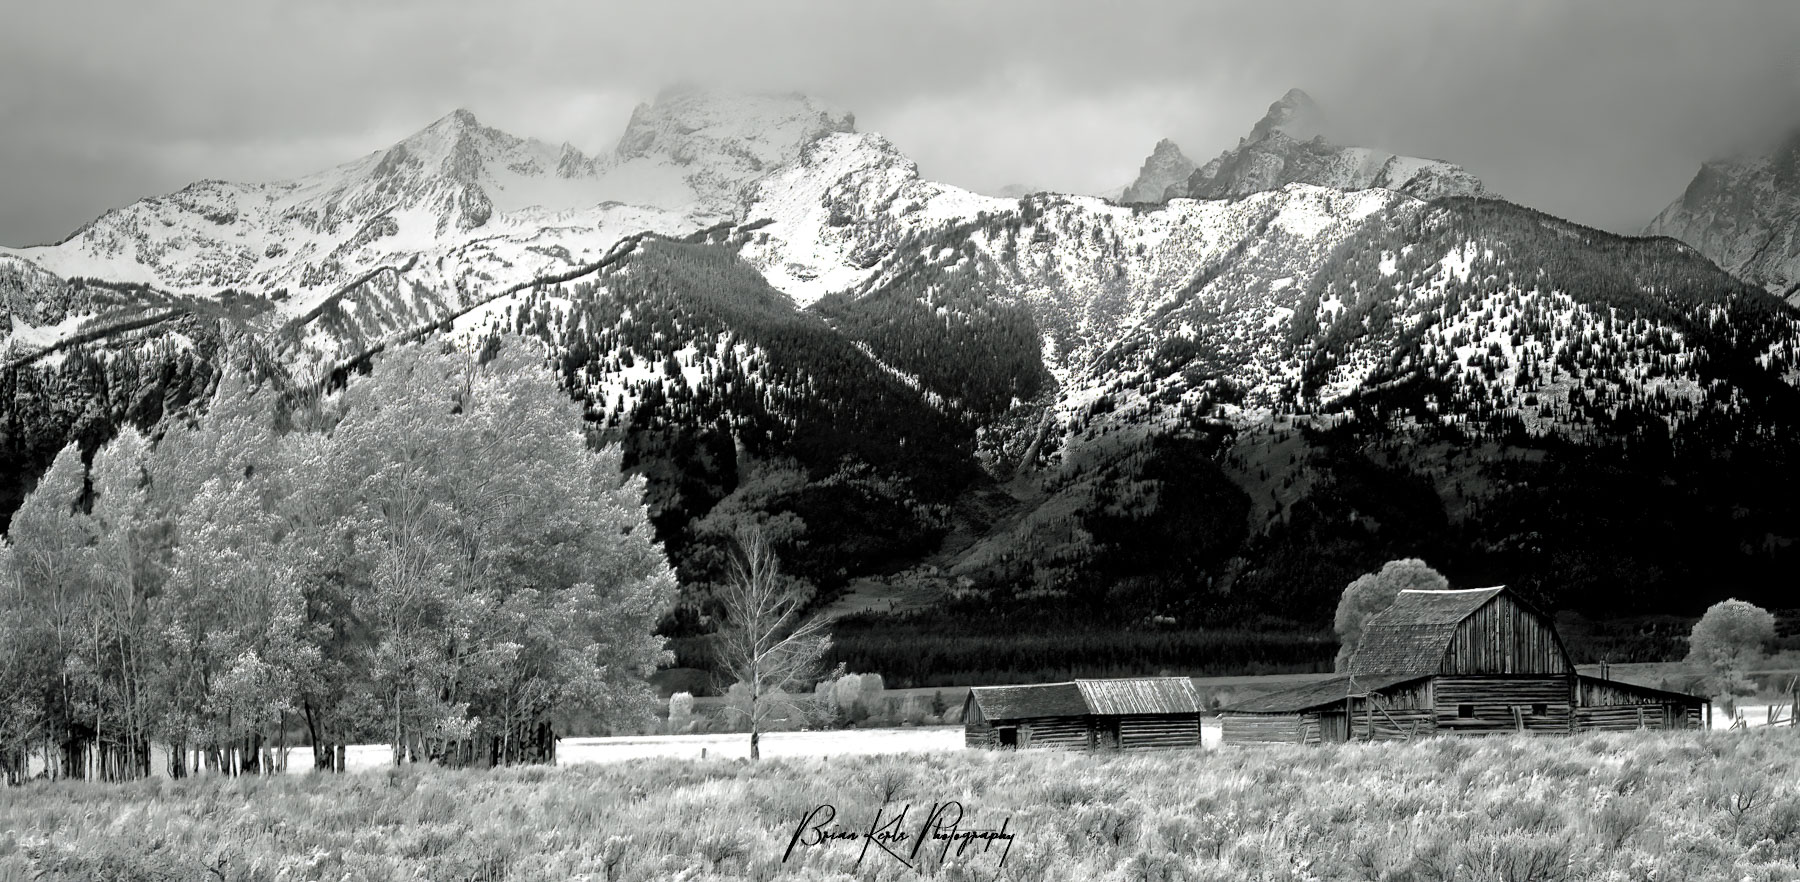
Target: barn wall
(1262,728)
(1494,700)
(1054,732)
(1034,732)
(1503,637)
(1390,724)
(1311,727)
(977,733)
(1628,717)
(1407,696)
(1601,693)
(1159,730)
(1334,727)
(1607,706)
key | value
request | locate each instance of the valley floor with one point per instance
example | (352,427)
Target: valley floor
(1696,806)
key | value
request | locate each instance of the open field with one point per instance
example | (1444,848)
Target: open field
(1692,806)
(829,743)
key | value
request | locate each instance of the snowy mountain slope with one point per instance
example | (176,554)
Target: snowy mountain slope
(721,144)
(1744,215)
(853,215)
(1304,306)
(1285,147)
(460,209)
(875,342)
(848,200)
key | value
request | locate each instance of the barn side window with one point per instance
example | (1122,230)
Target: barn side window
(1538,710)
(1465,710)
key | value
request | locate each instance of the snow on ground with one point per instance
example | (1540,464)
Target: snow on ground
(736,745)
(580,751)
(836,742)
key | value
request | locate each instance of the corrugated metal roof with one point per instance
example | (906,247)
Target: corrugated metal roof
(1318,695)
(1413,633)
(1144,695)
(1018,702)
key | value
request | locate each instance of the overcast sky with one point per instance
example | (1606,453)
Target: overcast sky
(1596,111)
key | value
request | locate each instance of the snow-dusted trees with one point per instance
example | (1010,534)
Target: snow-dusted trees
(435,558)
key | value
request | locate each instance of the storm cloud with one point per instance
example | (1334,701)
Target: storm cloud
(1599,112)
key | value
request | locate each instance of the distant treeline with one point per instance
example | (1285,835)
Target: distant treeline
(948,648)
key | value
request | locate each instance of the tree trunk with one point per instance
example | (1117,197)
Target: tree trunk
(399,737)
(755,736)
(321,751)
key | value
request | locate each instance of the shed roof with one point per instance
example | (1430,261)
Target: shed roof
(1646,691)
(1320,694)
(1144,695)
(1018,702)
(1413,633)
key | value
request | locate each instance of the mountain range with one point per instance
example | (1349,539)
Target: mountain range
(1744,215)
(1214,400)
(1287,146)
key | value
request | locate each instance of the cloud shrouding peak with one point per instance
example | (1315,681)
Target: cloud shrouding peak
(1599,112)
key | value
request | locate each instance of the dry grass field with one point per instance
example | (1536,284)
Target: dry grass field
(1641,806)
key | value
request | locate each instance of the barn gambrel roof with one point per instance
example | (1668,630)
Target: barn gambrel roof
(1413,633)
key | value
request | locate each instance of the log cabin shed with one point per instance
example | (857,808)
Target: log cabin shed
(1125,714)
(1469,662)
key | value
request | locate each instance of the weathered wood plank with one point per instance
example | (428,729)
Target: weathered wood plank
(1503,637)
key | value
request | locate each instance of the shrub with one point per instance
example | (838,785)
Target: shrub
(681,712)
(1697,806)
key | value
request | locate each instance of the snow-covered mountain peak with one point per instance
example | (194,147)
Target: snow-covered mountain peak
(1295,115)
(685,161)
(1286,147)
(1166,167)
(700,151)
(687,124)
(1743,213)
(847,203)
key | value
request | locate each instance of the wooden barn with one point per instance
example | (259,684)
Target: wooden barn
(1151,712)
(1474,662)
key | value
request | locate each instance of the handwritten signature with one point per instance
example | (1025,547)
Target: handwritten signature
(888,834)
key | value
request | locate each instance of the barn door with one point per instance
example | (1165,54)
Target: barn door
(1109,733)
(1009,736)
(1334,727)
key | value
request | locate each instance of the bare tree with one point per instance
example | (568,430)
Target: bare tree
(765,643)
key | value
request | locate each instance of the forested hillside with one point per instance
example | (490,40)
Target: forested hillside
(708,378)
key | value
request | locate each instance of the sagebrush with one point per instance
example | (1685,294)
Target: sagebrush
(1598,807)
